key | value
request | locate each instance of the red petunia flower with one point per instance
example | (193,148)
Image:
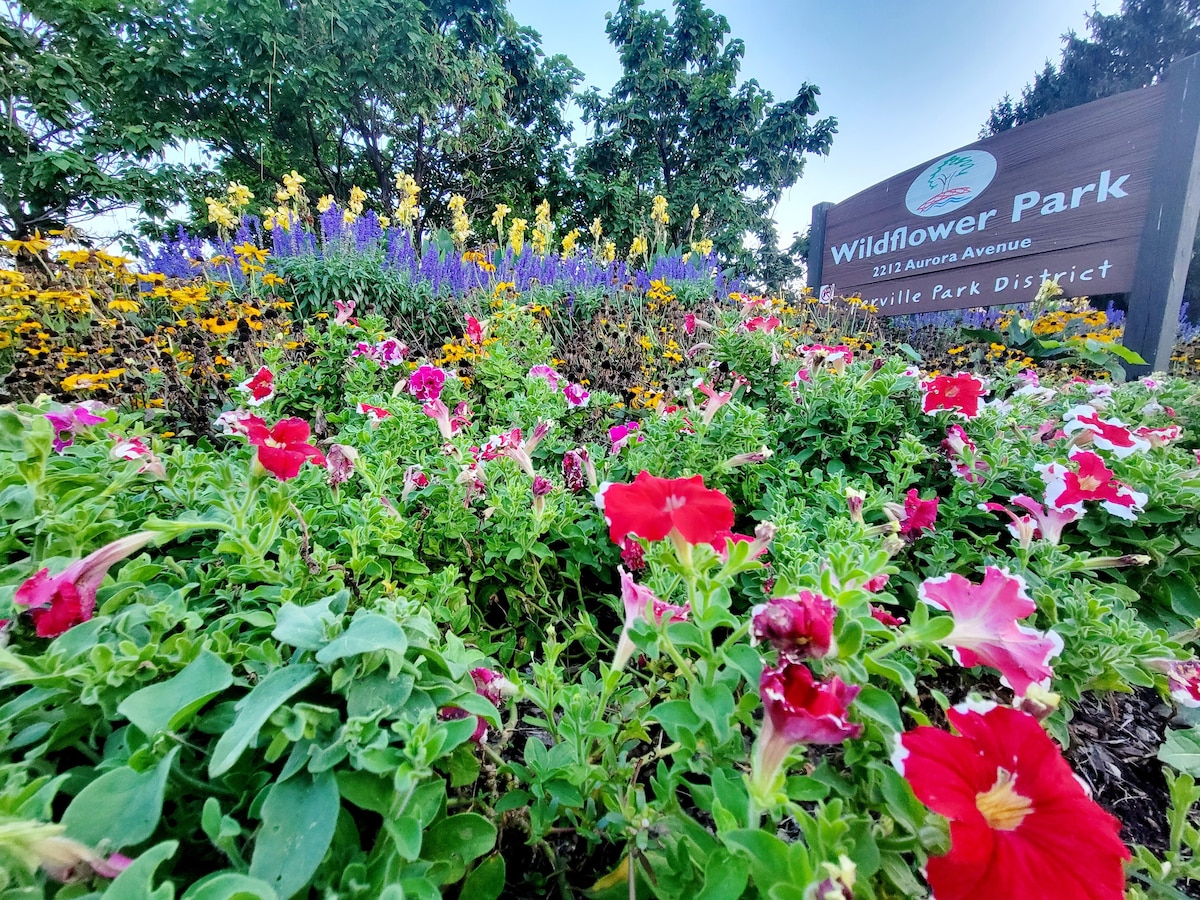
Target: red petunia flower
(986,629)
(283,449)
(59,602)
(959,394)
(260,386)
(375,414)
(653,508)
(1093,481)
(1021,825)
(799,626)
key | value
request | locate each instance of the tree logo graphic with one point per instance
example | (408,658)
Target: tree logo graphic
(951,183)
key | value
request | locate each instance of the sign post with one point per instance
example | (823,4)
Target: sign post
(1167,239)
(1102,198)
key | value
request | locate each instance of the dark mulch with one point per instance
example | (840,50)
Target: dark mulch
(1114,746)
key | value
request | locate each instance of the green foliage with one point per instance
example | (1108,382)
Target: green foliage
(94,94)
(677,123)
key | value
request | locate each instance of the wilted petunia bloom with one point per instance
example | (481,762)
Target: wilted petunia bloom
(1021,825)
(641,603)
(985,626)
(58,602)
(799,626)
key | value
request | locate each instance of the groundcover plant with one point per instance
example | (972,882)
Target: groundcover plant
(347,603)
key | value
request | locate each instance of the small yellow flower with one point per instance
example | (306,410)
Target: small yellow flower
(324,203)
(125,306)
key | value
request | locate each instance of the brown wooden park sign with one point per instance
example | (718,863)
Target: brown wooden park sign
(1102,198)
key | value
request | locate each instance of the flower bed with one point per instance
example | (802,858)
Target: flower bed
(379,617)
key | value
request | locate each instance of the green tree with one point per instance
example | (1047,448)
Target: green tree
(679,123)
(93,95)
(1126,50)
(354,91)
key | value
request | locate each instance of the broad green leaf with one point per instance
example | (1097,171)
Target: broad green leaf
(486,881)
(366,633)
(253,711)
(230,886)
(121,807)
(168,704)
(1181,749)
(137,882)
(458,840)
(298,820)
(879,705)
(305,626)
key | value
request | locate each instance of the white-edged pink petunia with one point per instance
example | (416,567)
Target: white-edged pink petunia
(1090,480)
(259,387)
(985,626)
(1105,434)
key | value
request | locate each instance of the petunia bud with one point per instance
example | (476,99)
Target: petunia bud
(854,500)
(1037,701)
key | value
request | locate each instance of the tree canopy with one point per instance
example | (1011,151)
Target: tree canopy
(679,123)
(1125,50)
(104,94)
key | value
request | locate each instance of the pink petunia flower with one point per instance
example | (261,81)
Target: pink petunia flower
(69,421)
(765,324)
(135,449)
(426,382)
(547,374)
(918,514)
(1041,522)
(643,604)
(963,455)
(620,435)
(576,395)
(985,626)
(344,311)
(474,331)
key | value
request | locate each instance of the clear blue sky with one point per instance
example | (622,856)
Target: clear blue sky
(907,80)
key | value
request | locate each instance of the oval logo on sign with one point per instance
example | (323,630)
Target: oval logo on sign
(950,183)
